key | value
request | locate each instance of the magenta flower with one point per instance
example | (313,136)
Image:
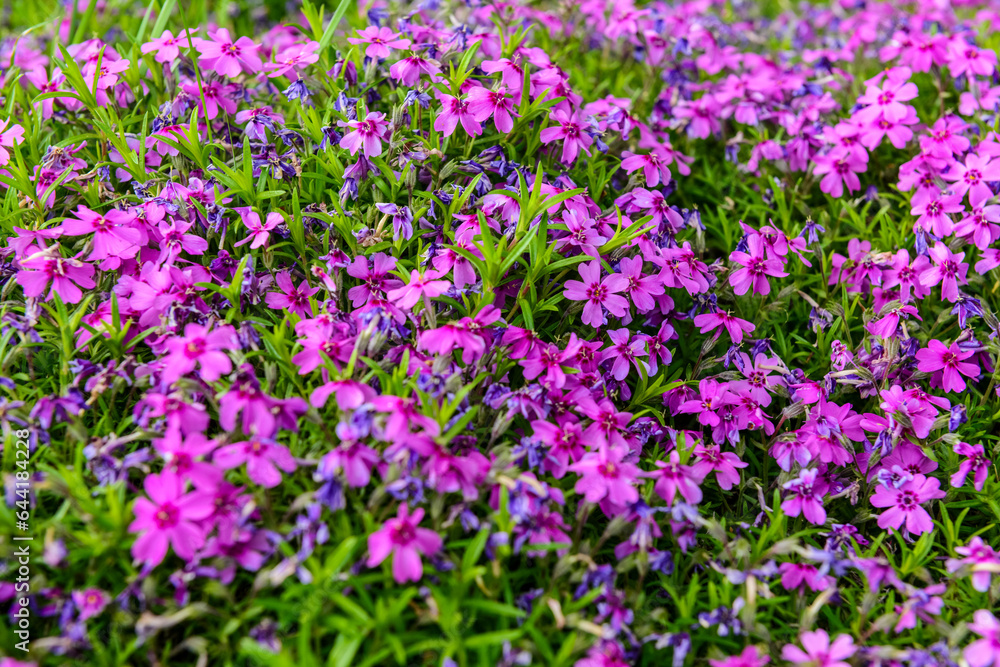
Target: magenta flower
(711,459)
(376,278)
(713,397)
(640,289)
(798,575)
(199,347)
(624,352)
(114,238)
(167,47)
(805,497)
(606,476)
(260,233)
(598,293)
(817,650)
(750,657)
(950,361)
(964,59)
(184,458)
(402,538)
(408,71)
(484,103)
(427,286)
(90,602)
(974,463)
(169,517)
(295,299)
(973,176)
(986,651)
(8,137)
(653,165)
(366,134)
(976,553)
(63,276)
(353,458)
(379,41)
(904,502)
(453,112)
(293,59)
(228,57)
(673,477)
(839,169)
(934,210)
(734,325)
(948,269)
(756,268)
(570,130)
(263,458)
(887,100)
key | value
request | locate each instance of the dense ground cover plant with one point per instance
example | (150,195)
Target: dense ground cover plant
(518,333)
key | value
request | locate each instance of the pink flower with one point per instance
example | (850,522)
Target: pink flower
(263,458)
(295,299)
(353,458)
(61,275)
(968,60)
(426,286)
(972,176)
(199,347)
(293,59)
(260,233)
(756,268)
(511,73)
(887,101)
(402,537)
(948,269)
(934,209)
(640,289)
(725,465)
(734,325)
(114,237)
(903,504)
(606,476)
(166,46)
(569,130)
(673,477)
(950,361)
(90,602)
(408,71)
(228,57)
(597,293)
(797,575)
(366,134)
(169,517)
(839,169)
(484,103)
(750,657)
(975,463)
(653,165)
(184,458)
(623,353)
(805,497)
(818,651)
(980,560)
(453,112)
(375,277)
(713,397)
(8,137)
(986,651)
(379,41)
